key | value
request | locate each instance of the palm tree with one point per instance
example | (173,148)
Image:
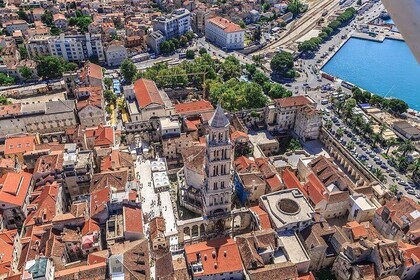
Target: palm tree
(339,133)
(389,143)
(367,128)
(328,124)
(393,189)
(350,145)
(406,147)
(402,163)
(378,173)
(376,138)
(415,167)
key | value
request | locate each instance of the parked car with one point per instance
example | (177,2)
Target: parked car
(411,192)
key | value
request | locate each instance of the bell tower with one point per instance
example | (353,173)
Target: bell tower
(217,192)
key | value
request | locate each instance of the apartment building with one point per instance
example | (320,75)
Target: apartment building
(154,39)
(37,46)
(79,47)
(198,21)
(173,25)
(225,33)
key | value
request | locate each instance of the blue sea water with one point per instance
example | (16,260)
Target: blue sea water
(387,69)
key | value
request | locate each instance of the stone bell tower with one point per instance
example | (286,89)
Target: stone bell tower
(217,192)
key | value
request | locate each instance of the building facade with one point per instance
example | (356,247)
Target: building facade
(78,47)
(173,25)
(225,33)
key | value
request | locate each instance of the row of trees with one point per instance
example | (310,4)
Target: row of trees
(171,45)
(6,80)
(313,43)
(392,104)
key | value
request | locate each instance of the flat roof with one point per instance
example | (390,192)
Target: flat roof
(287,207)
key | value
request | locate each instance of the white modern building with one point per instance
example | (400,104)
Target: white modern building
(225,33)
(173,25)
(79,47)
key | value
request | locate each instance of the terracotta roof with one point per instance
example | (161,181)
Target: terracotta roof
(249,244)
(89,227)
(217,256)
(225,24)
(290,180)
(49,163)
(401,211)
(133,219)
(358,230)
(193,107)
(164,267)
(263,217)
(11,109)
(411,253)
(91,70)
(93,271)
(147,93)
(293,101)
(117,160)
(43,206)
(238,134)
(306,276)
(99,201)
(329,173)
(244,164)
(19,145)
(314,190)
(115,180)
(93,98)
(7,238)
(103,135)
(193,158)
(15,187)
(157,227)
(278,271)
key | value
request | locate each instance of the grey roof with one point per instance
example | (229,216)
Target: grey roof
(219,119)
(59,106)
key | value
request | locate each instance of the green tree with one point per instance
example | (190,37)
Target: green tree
(110,97)
(53,67)
(389,143)
(265,7)
(183,41)
(294,145)
(397,105)
(202,51)
(230,68)
(251,69)
(128,71)
(278,91)
(379,174)
(295,7)
(166,47)
(349,104)
(260,78)
(242,24)
(189,35)
(25,72)
(339,133)
(190,54)
(108,82)
(22,15)
(406,147)
(54,31)
(23,52)
(328,124)
(282,62)
(6,80)
(393,189)
(4,100)
(47,18)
